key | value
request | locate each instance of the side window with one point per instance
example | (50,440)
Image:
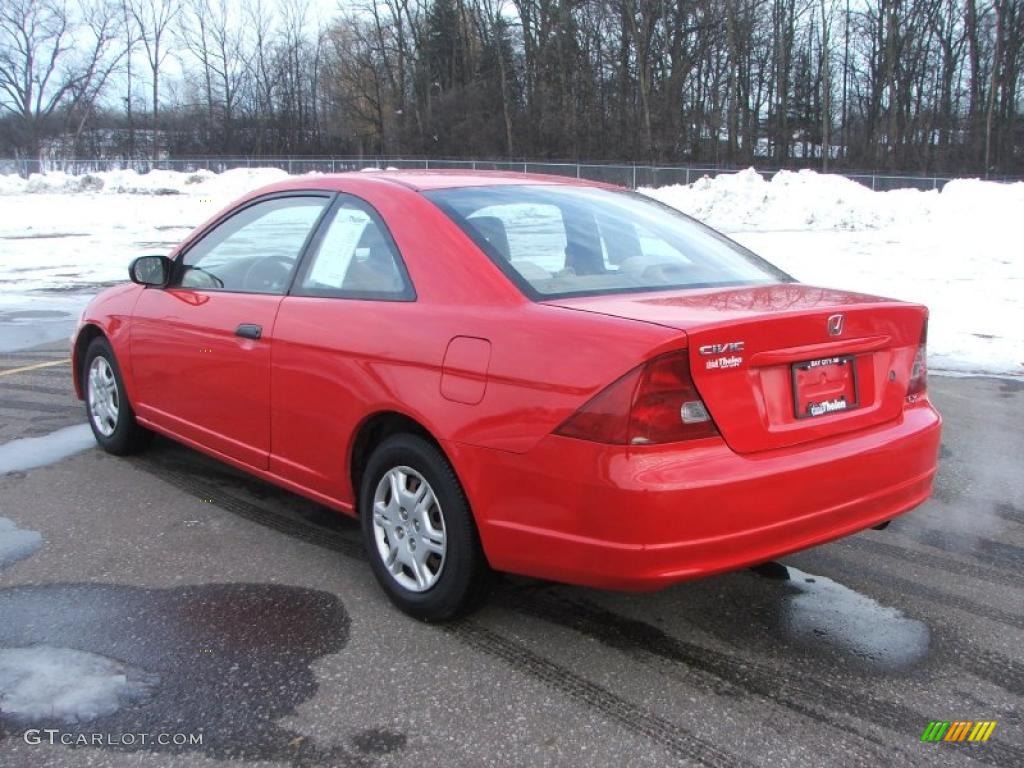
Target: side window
(355,258)
(255,250)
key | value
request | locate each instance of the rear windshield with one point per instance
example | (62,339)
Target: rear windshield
(555,241)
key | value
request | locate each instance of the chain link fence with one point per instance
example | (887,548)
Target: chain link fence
(627,175)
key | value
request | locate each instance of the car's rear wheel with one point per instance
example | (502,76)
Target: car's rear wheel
(110,414)
(419,531)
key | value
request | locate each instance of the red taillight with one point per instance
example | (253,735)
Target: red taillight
(918,384)
(655,403)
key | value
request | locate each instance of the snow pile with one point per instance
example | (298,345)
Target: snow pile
(46,683)
(974,204)
(233,183)
(16,544)
(791,200)
(11,184)
(119,182)
(806,200)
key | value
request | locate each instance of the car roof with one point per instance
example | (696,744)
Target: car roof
(444,179)
(435,179)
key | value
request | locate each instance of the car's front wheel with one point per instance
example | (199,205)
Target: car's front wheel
(110,414)
(419,531)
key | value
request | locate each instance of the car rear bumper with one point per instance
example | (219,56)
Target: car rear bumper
(641,518)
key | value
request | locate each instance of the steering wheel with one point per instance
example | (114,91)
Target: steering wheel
(269,274)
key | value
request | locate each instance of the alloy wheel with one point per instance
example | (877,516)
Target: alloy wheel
(104,399)
(409,529)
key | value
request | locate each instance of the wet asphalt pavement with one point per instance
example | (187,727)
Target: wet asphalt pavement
(211,603)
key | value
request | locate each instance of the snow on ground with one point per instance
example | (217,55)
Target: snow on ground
(61,231)
(43,682)
(31,452)
(960,251)
(16,543)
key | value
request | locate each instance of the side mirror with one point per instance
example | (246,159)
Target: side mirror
(150,270)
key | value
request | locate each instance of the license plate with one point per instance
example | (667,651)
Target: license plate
(824,386)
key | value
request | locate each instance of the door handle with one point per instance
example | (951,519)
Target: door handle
(249,331)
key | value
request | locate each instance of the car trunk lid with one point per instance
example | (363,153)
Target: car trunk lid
(783,364)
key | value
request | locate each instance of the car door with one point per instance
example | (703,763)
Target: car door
(200,348)
(342,335)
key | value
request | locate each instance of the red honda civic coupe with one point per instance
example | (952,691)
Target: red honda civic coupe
(503,372)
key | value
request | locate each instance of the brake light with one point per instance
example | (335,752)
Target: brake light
(918,384)
(654,403)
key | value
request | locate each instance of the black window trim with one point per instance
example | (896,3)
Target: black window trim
(524,285)
(305,263)
(179,260)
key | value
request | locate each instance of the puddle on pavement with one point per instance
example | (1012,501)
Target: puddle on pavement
(16,543)
(800,620)
(229,661)
(824,611)
(31,452)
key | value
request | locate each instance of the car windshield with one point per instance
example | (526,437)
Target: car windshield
(556,241)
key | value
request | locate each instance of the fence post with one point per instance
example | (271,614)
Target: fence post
(332,165)
(524,167)
(873,183)
(577,170)
(687,175)
(634,177)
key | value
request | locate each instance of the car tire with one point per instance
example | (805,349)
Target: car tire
(106,403)
(403,535)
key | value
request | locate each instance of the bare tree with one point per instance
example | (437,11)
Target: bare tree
(34,38)
(153,19)
(107,47)
(825,70)
(925,84)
